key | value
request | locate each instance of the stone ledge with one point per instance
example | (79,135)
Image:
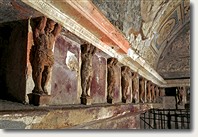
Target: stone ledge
(68,116)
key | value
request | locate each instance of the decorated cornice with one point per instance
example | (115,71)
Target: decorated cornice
(62,11)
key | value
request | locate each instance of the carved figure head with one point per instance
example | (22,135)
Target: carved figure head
(50,25)
(115,61)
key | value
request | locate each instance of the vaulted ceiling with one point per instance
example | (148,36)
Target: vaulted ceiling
(157,30)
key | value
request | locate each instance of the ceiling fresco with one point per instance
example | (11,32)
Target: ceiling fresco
(174,62)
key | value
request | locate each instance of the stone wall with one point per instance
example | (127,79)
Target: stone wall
(99,84)
(65,83)
(66,80)
(125,15)
(13,41)
(65,73)
(118,94)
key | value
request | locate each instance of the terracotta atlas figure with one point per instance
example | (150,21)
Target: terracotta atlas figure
(111,78)
(87,52)
(44,36)
(142,90)
(135,87)
(125,79)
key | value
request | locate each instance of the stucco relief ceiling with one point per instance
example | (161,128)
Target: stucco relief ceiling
(150,26)
(174,62)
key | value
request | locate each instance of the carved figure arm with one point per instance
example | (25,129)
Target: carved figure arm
(57,30)
(94,50)
(115,61)
(134,75)
(40,27)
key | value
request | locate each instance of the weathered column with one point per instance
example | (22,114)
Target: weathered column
(126,84)
(87,52)
(135,87)
(142,90)
(111,79)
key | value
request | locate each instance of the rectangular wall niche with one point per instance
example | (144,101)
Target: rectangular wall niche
(65,73)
